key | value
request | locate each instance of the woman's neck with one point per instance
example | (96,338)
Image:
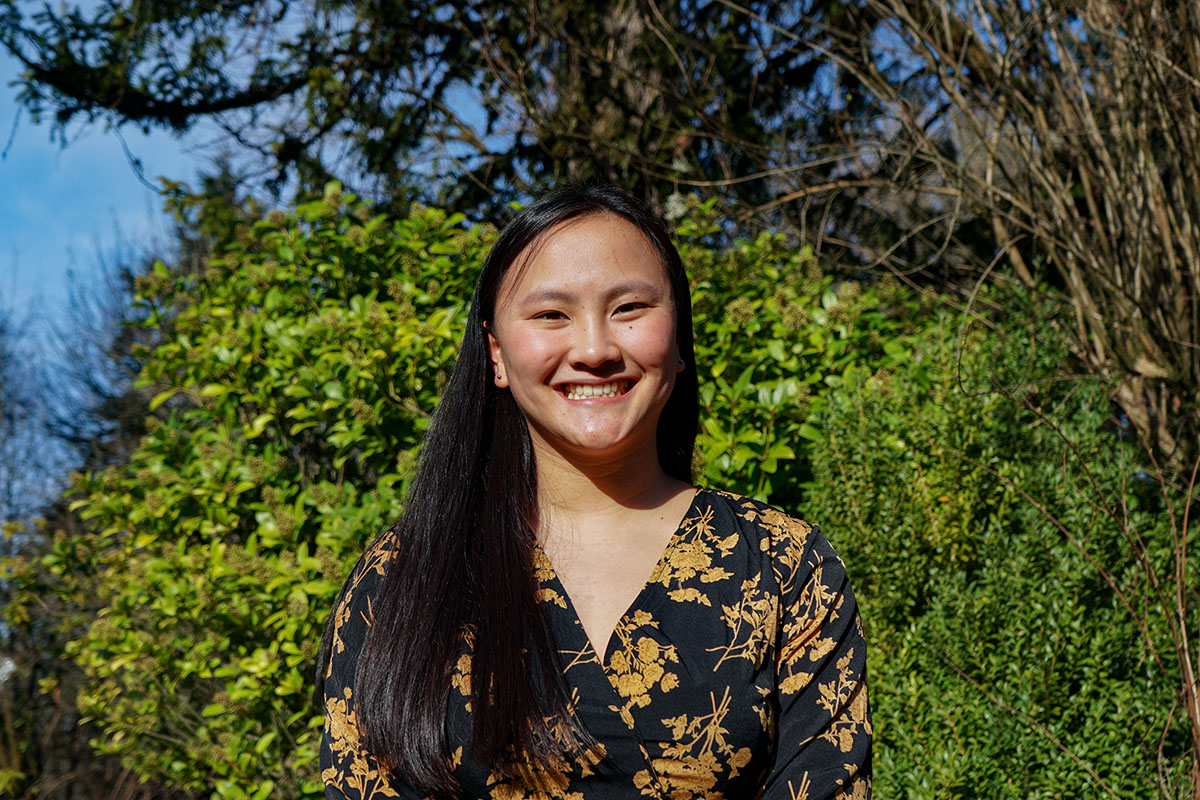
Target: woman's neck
(571,490)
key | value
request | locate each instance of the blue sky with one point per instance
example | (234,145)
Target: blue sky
(61,211)
(61,207)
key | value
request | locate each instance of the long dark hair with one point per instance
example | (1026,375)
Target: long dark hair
(465,543)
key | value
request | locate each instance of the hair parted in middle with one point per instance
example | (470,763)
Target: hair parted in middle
(464,563)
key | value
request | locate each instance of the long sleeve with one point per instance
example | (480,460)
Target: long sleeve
(348,770)
(823,737)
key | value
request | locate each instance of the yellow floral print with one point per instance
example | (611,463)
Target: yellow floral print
(752,623)
(374,561)
(544,574)
(356,771)
(690,767)
(689,558)
(845,691)
(639,664)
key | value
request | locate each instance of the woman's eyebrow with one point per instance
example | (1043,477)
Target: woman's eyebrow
(546,296)
(559,296)
(636,287)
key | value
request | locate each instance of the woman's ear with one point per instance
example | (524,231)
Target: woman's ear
(497,358)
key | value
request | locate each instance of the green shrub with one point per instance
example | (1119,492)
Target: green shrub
(296,375)
(775,339)
(994,633)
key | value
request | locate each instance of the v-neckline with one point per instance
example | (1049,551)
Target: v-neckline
(637,602)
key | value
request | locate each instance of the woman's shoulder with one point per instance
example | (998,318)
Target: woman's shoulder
(785,545)
(771,527)
(362,584)
(791,549)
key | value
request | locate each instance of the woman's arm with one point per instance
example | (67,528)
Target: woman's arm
(348,769)
(823,735)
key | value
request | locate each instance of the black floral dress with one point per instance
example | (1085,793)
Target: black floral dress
(738,672)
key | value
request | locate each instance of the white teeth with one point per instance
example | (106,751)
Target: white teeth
(586,391)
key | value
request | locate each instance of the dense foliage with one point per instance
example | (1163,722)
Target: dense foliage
(997,524)
(296,375)
(1003,535)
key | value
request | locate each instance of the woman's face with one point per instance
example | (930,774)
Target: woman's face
(584,338)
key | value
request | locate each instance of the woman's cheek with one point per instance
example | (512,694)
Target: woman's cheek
(532,350)
(655,343)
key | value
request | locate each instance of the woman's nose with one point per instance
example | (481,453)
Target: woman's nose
(594,344)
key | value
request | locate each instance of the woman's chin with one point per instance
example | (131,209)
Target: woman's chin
(599,449)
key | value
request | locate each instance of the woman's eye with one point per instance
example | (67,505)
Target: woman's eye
(549,315)
(626,308)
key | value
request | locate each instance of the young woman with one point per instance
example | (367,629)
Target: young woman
(561,613)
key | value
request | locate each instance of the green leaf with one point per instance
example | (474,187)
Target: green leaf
(161,398)
(257,426)
(262,744)
(743,382)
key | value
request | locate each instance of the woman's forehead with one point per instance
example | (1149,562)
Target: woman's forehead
(593,248)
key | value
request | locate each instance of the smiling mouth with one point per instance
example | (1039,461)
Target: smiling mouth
(588,391)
